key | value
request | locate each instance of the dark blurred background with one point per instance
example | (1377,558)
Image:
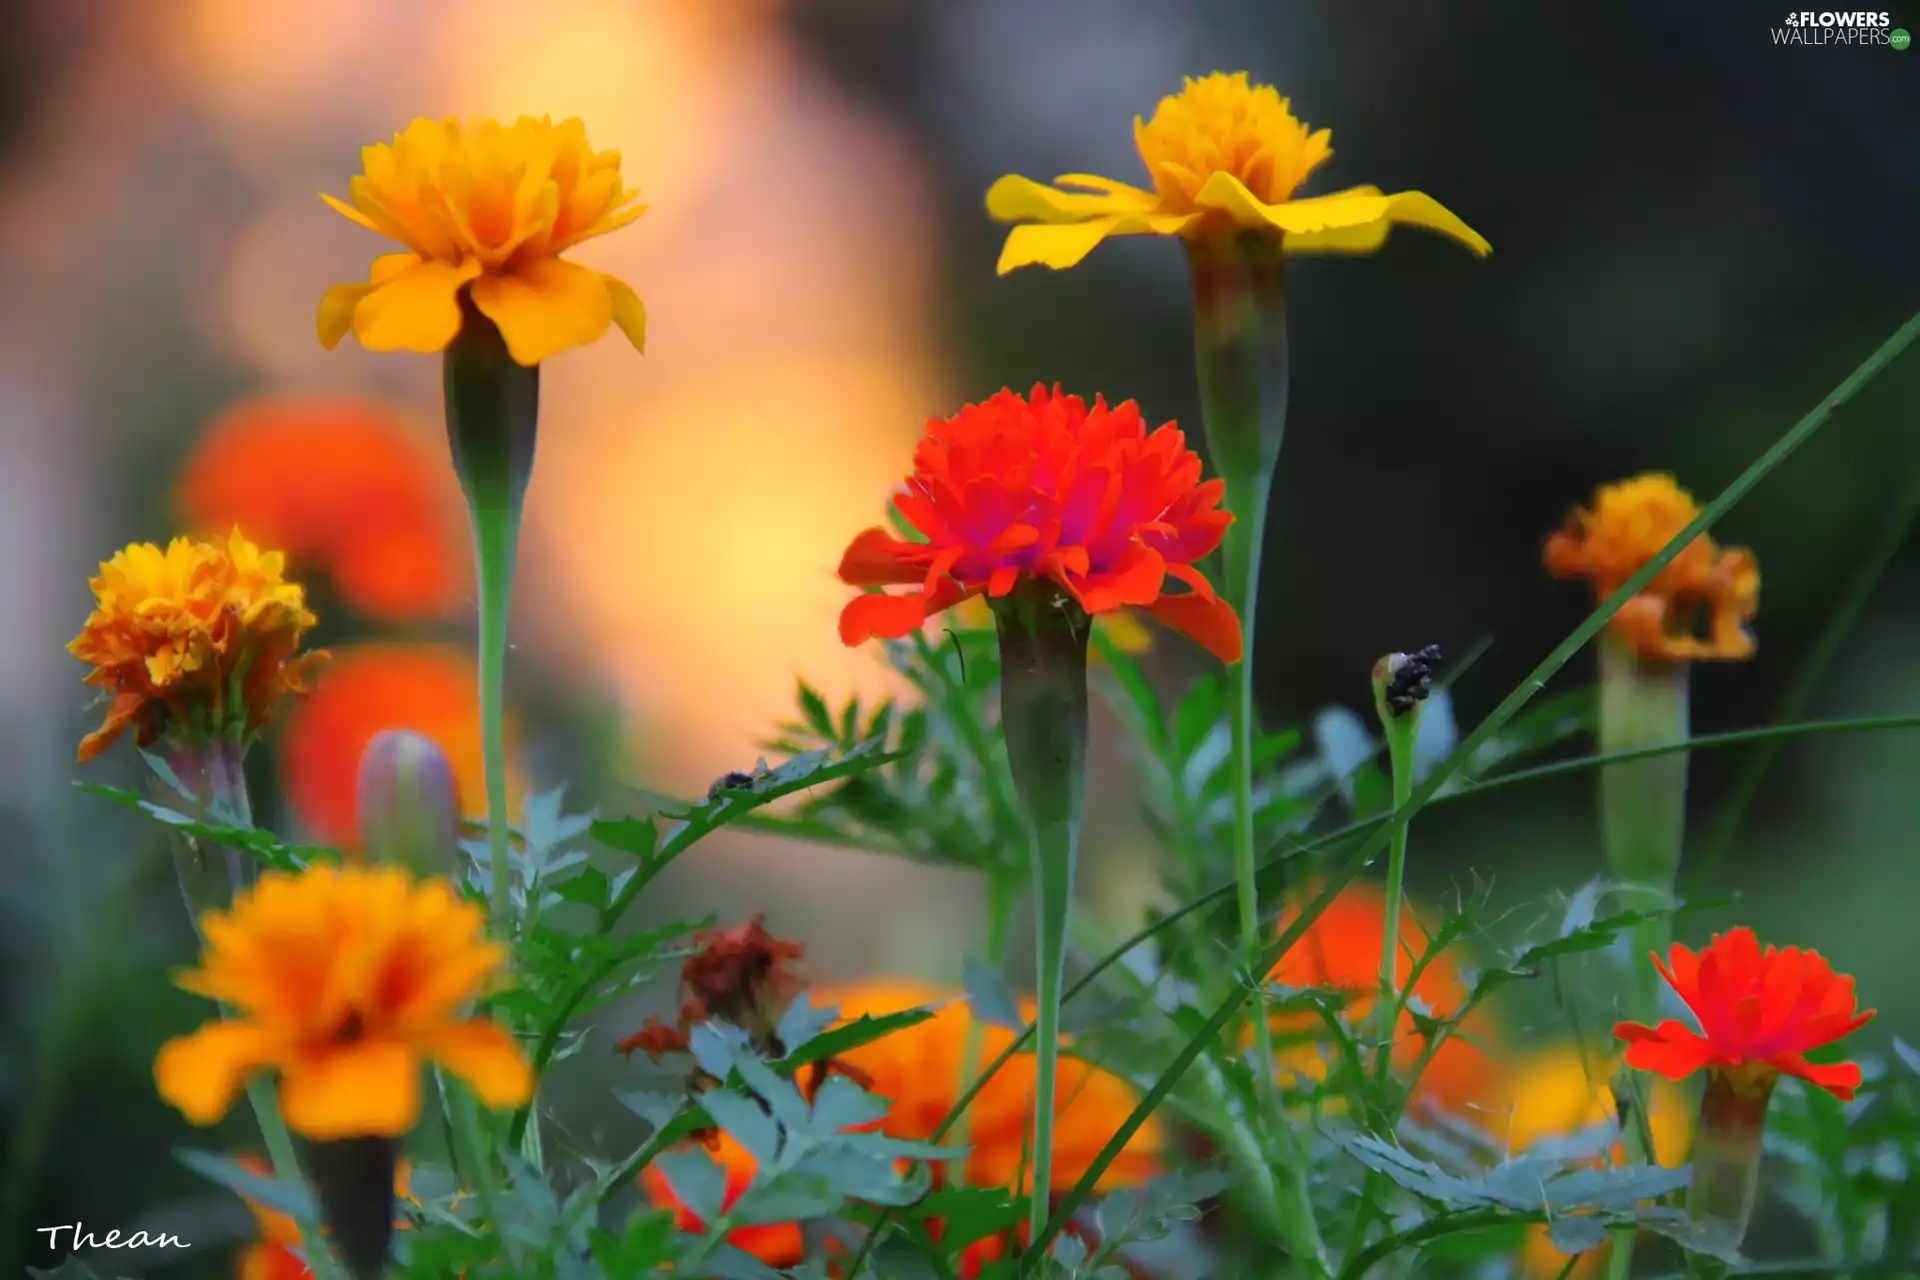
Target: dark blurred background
(1697,233)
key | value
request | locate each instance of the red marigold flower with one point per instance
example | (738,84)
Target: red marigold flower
(1046,488)
(1759,1013)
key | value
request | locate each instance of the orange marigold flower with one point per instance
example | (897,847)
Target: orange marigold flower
(339,484)
(1697,608)
(1046,488)
(198,639)
(778,1244)
(1557,1093)
(1760,1012)
(345,981)
(272,1256)
(487,209)
(1225,155)
(430,689)
(1341,950)
(918,1070)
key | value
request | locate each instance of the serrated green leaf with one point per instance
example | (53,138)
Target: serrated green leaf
(272,851)
(589,888)
(269,1191)
(1576,1233)
(637,836)
(814,708)
(850,1035)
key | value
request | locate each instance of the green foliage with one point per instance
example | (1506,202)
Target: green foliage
(221,827)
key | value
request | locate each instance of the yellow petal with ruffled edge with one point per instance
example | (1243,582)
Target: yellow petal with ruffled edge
(337,305)
(417,310)
(1061,245)
(1351,221)
(1017,199)
(202,1073)
(484,1056)
(545,307)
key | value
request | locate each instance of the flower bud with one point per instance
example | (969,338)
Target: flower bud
(405,805)
(1402,681)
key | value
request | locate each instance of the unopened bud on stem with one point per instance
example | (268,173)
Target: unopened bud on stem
(407,810)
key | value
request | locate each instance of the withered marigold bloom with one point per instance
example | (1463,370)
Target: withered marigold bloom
(1047,488)
(1340,950)
(1760,1012)
(742,975)
(346,981)
(486,208)
(1225,155)
(340,485)
(365,691)
(1696,609)
(197,640)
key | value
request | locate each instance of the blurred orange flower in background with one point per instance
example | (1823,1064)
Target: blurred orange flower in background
(778,1244)
(1695,609)
(340,484)
(917,1070)
(430,689)
(1341,950)
(1556,1093)
(197,638)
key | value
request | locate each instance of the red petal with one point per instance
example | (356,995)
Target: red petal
(878,614)
(1670,1050)
(1212,624)
(1839,1079)
(876,559)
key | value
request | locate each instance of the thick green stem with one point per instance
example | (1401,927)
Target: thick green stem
(1726,1155)
(1043,712)
(1240,358)
(493,409)
(1643,804)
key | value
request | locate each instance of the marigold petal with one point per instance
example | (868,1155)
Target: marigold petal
(486,1057)
(1840,1079)
(877,559)
(202,1073)
(121,712)
(879,614)
(1017,199)
(1058,245)
(370,1088)
(1210,623)
(335,315)
(545,306)
(628,311)
(417,310)
(1670,1049)
(1359,207)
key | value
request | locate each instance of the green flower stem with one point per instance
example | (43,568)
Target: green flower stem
(1726,1155)
(493,410)
(1643,805)
(1043,713)
(1240,358)
(1401,731)
(476,1158)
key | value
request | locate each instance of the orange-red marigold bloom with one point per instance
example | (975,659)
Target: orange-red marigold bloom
(430,689)
(1759,1013)
(1697,608)
(1047,488)
(340,484)
(778,1244)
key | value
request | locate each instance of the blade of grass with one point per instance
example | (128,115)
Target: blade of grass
(1806,680)
(1536,680)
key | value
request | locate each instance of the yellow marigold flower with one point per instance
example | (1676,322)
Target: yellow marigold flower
(195,639)
(488,208)
(1225,155)
(1697,608)
(345,981)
